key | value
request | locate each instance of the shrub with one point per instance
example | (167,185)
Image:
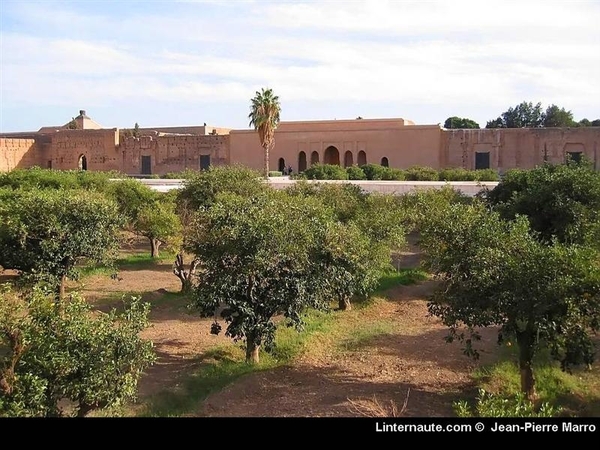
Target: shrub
(393,174)
(418,173)
(275,173)
(374,171)
(326,172)
(490,405)
(355,173)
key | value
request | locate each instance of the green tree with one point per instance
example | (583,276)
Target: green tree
(53,356)
(524,115)
(495,272)
(258,258)
(131,196)
(201,189)
(596,123)
(136,130)
(558,117)
(264,117)
(45,233)
(560,201)
(160,224)
(584,123)
(459,122)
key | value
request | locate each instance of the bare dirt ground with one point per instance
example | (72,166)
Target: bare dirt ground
(410,363)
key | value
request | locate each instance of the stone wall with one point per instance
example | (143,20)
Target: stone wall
(173,153)
(518,147)
(18,153)
(98,147)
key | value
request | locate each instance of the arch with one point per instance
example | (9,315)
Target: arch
(82,163)
(281,165)
(362,158)
(385,162)
(301,162)
(314,158)
(348,159)
(332,155)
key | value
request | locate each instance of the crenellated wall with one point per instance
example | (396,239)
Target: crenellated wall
(518,147)
(173,153)
(98,147)
(16,153)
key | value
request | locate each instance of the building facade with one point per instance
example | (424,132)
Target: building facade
(84,144)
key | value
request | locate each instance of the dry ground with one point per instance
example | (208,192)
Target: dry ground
(409,363)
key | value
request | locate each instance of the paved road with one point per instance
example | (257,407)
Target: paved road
(389,187)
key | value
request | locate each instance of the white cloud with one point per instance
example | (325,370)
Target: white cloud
(431,53)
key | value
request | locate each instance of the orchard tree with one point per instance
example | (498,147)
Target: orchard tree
(45,233)
(495,272)
(201,189)
(159,223)
(68,359)
(460,122)
(264,117)
(561,202)
(258,257)
(131,197)
(351,264)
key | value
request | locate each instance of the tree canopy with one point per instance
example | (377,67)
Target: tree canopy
(459,122)
(495,272)
(45,233)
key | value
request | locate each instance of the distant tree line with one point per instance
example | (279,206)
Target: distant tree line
(525,115)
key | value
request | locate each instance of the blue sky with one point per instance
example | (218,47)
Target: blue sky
(163,63)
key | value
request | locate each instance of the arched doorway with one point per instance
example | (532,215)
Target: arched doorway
(281,165)
(314,158)
(384,162)
(82,164)
(348,159)
(301,162)
(332,156)
(362,158)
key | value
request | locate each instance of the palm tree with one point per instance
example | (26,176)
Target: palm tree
(264,117)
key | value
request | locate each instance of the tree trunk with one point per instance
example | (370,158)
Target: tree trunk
(525,340)
(84,410)
(61,287)
(185,276)
(344,304)
(154,245)
(266,162)
(252,350)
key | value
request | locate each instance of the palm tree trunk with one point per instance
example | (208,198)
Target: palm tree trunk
(266,162)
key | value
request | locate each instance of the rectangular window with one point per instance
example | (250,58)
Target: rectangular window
(204,162)
(574,156)
(482,160)
(146,165)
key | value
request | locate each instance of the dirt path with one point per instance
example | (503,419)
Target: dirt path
(412,363)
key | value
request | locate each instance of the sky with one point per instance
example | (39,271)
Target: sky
(168,63)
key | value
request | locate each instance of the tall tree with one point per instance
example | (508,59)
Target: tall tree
(524,115)
(558,117)
(264,117)
(136,130)
(460,122)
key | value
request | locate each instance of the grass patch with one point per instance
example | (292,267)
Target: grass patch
(401,277)
(137,261)
(577,394)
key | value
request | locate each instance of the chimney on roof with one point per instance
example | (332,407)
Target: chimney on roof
(82,112)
